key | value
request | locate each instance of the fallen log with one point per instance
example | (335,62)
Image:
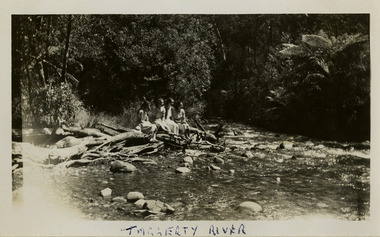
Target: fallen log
(107,130)
(172,140)
(46,155)
(84,132)
(119,129)
(130,138)
(141,148)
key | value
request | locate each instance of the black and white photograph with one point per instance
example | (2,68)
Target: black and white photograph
(210,121)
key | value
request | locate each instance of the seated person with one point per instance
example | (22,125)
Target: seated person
(180,119)
(159,112)
(145,125)
(169,117)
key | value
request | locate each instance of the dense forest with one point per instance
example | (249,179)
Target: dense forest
(307,74)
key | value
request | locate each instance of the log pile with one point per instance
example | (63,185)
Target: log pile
(82,146)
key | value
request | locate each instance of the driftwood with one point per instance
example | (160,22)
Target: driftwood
(90,144)
(119,129)
(207,135)
(130,138)
(84,132)
(141,148)
(107,130)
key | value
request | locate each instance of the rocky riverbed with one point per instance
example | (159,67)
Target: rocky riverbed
(255,175)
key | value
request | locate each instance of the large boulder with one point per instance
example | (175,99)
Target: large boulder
(121,166)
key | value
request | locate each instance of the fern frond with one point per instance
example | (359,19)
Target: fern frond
(316,41)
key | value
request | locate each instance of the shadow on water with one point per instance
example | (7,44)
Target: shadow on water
(302,179)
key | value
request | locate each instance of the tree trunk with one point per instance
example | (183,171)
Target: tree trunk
(30,93)
(47,43)
(66,53)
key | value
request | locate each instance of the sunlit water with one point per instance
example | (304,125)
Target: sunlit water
(306,179)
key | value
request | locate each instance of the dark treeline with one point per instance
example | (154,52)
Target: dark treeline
(306,74)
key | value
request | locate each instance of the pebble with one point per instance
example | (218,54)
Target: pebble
(168,209)
(214,167)
(119,199)
(188,160)
(232,171)
(320,146)
(248,154)
(218,160)
(182,170)
(285,145)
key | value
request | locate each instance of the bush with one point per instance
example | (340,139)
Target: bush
(54,104)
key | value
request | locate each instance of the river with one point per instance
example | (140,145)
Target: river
(303,179)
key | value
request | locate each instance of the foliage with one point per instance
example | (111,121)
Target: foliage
(325,89)
(305,73)
(147,55)
(56,104)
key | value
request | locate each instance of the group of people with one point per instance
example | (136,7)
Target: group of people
(166,117)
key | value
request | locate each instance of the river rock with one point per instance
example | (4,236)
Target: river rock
(121,166)
(217,148)
(167,208)
(154,206)
(188,160)
(251,206)
(214,167)
(68,142)
(259,147)
(140,203)
(248,154)
(119,199)
(218,160)
(134,196)
(285,145)
(191,152)
(231,171)
(182,170)
(106,193)
(320,146)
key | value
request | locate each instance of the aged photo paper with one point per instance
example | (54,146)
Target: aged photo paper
(43,219)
